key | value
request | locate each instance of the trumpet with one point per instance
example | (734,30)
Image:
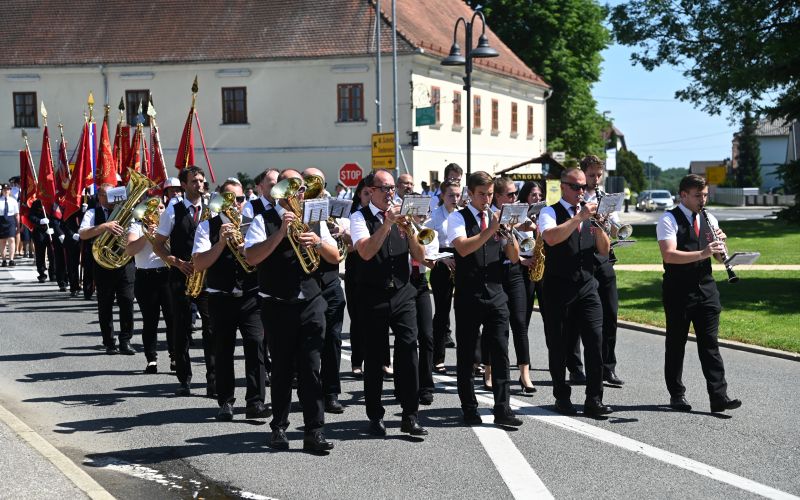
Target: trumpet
(424,235)
(723,256)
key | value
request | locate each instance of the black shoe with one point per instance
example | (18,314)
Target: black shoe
(4,264)
(172,365)
(211,390)
(73,293)
(577,378)
(410,425)
(152,367)
(183,390)
(679,403)
(612,378)
(449,342)
(278,440)
(377,427)
(62,288)
(565,407)
(316,442)
(725,403)
(508,419)
(42,279)
(125,348)
(111,350)
(595,408)
(472,417)
(225,413)
(12,264)
(258,410)
(426,398)
(525,388)
(332,404)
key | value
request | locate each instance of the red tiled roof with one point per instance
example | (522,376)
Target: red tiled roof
(58,33)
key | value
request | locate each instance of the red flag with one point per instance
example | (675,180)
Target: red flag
(106,171)
(27,188)
(158,170)
(81,176)
(134,161)
(122,148)
(186,148)
(46,187)
(62,174)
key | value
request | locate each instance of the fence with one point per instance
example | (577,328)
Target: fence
(740,197)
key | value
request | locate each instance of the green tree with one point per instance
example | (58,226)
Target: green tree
(670,179)
(245,179)
(748,170)
(731,51)
(561,41)
(790,175)
(631,168)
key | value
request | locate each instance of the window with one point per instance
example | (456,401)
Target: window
(25,110)
(132,100)
(476,112)
(495,116)
(456,108)
(530,122)
(435,97)
(513,119)
(234,105)
(350,102)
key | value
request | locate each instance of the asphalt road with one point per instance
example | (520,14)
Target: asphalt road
(721,213)
(135,438)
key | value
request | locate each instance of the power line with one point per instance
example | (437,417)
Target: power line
(681,140)
(645,99)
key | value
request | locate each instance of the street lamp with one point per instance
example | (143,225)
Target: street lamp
(650,170)
(456,59)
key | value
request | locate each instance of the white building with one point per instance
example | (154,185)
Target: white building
(282,83)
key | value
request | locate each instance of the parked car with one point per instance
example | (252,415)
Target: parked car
(657,199)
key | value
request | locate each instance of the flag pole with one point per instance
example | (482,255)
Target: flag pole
(192,112)
(151,112)
(61,133)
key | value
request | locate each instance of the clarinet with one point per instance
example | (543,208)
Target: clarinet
(732,278)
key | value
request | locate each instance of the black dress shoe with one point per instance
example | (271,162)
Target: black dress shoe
(258,410)
(152,367)
(225,413)
(73,293)
(726,403)
(62,288)
(316,442)
(111,350)
(679,403)
(410,425)
(596,408)
(42,279)
(278,440)
(472,417)
(508,419)
(332,404)
(577,378)
(525,388)
(612,378)
(426,398)
(565,407)
(183,390)
(172,365)
(377,427)
(449,343)
(125,348)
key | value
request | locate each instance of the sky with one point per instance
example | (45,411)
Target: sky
(643,107)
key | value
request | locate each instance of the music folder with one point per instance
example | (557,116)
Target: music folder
(742,258)
(622,243)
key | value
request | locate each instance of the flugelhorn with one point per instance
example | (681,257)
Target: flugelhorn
(424,235)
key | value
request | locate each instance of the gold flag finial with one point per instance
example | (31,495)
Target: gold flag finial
(25,136)
(195,88)
(90,102)
(151,109)
(121,104)
(108,109)
(43,110)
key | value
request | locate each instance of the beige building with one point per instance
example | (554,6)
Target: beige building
(282,83)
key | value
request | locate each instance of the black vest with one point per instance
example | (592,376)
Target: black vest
(181,239)
(482,266)
(226,273)
(573,258)
(695,275)
(280,274)
(100,218)
(389,268)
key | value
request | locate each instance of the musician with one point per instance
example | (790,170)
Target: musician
(233,303)
(72,248)
(173,192)
(9,222)
(405,185)
(42,244)
(453,172)
(111,284)
(386,298)
(86,256)
(570,242)
(151,289)
(690,294)
(530,193)
(293,312)
(59,253)
(361,198)
(479,297)
(177,225)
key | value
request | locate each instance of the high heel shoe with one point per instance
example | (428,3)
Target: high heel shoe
(526,389)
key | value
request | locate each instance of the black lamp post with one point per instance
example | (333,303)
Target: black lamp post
(456,59)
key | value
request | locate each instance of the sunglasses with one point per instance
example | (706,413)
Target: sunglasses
(386,189)
(576,187)
(513,194)
(240,199)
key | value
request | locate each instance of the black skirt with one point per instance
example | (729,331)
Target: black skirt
(8,226)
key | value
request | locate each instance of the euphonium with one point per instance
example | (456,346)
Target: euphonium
(194,282)
(315,187)
(108,249)
(235,241)
(287,190)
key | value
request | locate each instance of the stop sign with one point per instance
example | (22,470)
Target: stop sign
(350,174)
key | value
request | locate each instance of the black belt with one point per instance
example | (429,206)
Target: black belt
(152,271)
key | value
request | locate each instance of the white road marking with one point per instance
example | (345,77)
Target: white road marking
(23,274)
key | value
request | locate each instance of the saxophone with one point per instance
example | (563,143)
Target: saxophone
(237,240)
(108,249)
(194,282)
(536,271)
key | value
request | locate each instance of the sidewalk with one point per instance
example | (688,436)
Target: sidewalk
(716,267)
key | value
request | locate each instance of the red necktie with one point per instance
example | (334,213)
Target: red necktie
(483,221)
(196,212)
(696,225)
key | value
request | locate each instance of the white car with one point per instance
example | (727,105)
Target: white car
(658,200)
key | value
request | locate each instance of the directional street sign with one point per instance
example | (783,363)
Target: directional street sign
(386,162)
(383,150)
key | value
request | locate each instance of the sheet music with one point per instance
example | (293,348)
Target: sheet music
(339,208)
(611,203)
(533,210)
(117,194)
(513,213)
(622,244)
(742,258)
(315,210)
(415,205)
(439,256)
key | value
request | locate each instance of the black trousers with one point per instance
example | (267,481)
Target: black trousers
(424,332)
(534,291)
(442,286)
(72,250)
(514,286)
(574,307)
(87,263)
(227,314)
(703,313)
(487,309)
(296,332)
(153,294)
(41,246)
(356,337)
(332,348)
(182,317)
(60,262)
(115,284)
(380,310)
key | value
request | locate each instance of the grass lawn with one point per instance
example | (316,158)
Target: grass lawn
(778,242)
(763,308)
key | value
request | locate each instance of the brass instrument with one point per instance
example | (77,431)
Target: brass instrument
(194,282)
(234,242)
(612,228)
(315,187)
(147,213)
(287,189)
(536,271)
(424,235)
(108,249)
(723,256)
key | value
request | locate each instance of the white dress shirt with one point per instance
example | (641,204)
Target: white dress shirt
(202,243)
(247,209)
(13,206)
(146,258)
(358,226)
(438,222)
(167,221)
(88,219)
(457,228)
(547,217)
(667,227)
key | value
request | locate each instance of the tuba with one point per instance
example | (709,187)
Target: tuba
(235,241)
(195,281)
(109,249)
(288,189)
